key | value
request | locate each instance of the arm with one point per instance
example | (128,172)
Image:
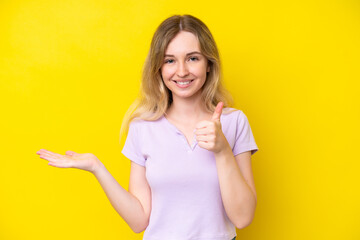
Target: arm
(235,175)
(132,206)
(237,186)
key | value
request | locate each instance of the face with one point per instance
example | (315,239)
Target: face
(184,68)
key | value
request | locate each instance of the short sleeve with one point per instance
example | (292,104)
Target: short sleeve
(244,139)
(132,149)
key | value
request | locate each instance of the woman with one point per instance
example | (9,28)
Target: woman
(190,152)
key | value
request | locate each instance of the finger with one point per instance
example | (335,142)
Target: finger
(203,138)
(202,131)
(217,112)
(52,155)
(48,153)
(202,124)
(62,164)
(44,154)
(204,145)
(42,151)
(48,158)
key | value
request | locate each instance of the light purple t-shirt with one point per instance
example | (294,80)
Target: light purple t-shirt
(185,191)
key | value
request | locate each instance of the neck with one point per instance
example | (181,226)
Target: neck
(187,109)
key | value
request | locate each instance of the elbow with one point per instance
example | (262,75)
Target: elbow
(243,224)
(246,218)
(138,228)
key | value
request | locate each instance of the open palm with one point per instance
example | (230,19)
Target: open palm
(84,161)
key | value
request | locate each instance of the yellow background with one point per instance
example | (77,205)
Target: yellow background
(70,69)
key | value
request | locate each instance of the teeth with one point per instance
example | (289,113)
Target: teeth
(183,83)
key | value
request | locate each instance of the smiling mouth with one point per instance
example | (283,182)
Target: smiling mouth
(183,82)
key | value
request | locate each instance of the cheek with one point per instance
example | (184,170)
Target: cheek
(200,71)
(162,71)
(166,73)
(165,77)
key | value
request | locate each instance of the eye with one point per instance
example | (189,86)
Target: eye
(194,58)
(169,60)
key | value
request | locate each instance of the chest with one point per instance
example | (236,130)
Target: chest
(173,157)
(180,165)
(186,129)
(188,133)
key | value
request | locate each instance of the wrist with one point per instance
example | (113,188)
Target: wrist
(97,167)
(224,152)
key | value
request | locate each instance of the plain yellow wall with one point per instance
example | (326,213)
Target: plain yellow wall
(70,69)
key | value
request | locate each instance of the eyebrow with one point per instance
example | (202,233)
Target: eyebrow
(191,53)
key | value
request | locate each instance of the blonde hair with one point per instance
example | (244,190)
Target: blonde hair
(154,97)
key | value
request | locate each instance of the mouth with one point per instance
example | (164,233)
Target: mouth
(183,83)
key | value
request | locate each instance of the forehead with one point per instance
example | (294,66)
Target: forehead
(183,42)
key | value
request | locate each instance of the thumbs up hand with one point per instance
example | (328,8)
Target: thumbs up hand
(209,134)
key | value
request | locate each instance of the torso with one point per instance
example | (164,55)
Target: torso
(183,176)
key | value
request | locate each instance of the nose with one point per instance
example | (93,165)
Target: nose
(182,70)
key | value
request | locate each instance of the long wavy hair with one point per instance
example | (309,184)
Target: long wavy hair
(154,97)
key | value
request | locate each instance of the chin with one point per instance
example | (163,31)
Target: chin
(188,95)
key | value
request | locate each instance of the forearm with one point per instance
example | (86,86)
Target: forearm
(238,199)
(127,205)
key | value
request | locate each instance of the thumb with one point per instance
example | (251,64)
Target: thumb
(217,112)
(70,153)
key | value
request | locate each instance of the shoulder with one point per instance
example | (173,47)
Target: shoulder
(232,113)
(233,118)
(142,124)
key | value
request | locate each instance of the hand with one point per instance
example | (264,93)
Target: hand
(209,134)
(85,161)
